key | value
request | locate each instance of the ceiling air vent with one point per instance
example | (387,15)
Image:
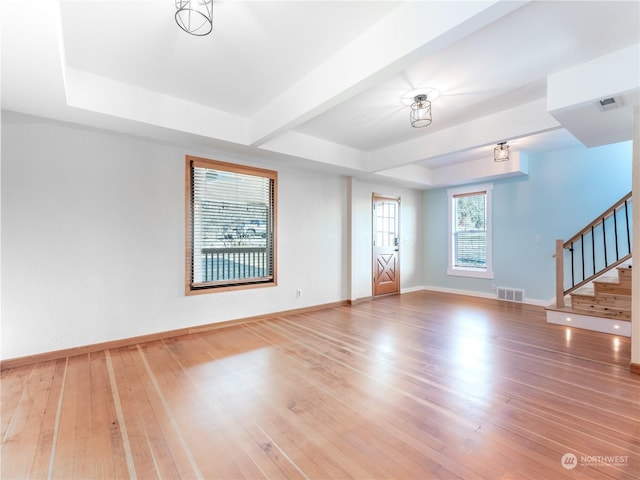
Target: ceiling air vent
(608,103)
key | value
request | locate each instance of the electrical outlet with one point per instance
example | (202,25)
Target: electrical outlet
(298,293)
(493,287)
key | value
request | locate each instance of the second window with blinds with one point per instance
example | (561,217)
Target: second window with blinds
(231,217)
(469,215)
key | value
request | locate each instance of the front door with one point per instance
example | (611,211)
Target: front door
(386,245)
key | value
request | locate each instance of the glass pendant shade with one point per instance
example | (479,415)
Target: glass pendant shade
(195,16)
(501,152)
(420,111)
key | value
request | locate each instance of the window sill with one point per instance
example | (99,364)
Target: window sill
(470,272)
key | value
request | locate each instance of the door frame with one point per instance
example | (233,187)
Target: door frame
(375,198)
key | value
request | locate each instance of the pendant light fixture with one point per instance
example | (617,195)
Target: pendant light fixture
(195,16)
(420,111)
(501,152)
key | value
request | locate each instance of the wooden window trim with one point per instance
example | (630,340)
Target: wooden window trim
(192,161)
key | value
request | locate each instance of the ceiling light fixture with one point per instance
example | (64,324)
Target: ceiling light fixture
(501,152)
(420,111)
(195,16)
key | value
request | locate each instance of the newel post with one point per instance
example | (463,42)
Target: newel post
(559,273)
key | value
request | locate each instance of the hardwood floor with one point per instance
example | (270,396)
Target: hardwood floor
(418,386)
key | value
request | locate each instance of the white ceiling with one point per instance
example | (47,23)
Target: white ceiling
(325,84)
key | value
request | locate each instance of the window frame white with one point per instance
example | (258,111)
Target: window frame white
(473,272)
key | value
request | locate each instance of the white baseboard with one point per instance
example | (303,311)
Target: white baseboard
(492,295)
(412,289)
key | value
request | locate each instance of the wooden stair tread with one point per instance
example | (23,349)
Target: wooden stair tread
(587,290)
(606,295)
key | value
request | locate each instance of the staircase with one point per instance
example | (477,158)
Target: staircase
(593,274)
(603,305)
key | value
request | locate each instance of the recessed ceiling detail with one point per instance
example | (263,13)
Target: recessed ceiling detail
(263,85)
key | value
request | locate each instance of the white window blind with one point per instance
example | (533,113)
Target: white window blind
(232,213)
(470,230)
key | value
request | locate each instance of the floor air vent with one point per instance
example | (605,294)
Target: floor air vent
(511,294)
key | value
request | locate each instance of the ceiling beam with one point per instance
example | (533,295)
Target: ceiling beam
(306,147)
(407,33)
(527,119)
(95,93)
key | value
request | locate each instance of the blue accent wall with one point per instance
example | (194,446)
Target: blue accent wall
(564,191)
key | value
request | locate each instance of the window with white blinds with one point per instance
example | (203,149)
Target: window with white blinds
(470,230)
(231,226)
(470,238)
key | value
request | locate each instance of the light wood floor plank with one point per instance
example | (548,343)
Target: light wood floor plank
(47,423)
(11,393)
(167,394)
(26,425)
(83,466)
(142,412)
(107,408)
(62,464)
